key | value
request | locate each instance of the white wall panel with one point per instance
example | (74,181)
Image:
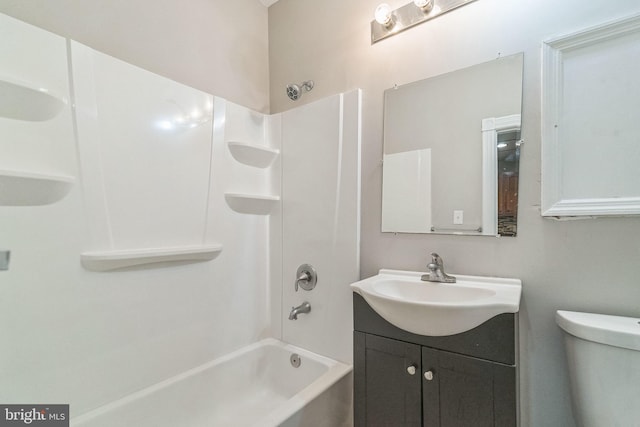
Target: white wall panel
(36,60)
(147,144)
(321,202)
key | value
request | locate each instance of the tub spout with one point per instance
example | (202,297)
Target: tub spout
(305,307)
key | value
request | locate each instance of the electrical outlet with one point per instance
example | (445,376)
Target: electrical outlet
(458,217)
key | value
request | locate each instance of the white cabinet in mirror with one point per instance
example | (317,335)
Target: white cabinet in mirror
(451,152)
(590,127)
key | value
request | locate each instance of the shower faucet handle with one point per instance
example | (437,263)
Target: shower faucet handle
(306,277)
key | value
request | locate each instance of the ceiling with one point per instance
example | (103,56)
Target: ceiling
(267,2)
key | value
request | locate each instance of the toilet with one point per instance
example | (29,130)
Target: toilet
(603,355)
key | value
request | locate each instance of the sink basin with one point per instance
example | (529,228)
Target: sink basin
(438,309)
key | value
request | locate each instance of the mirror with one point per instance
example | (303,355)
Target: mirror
(452,150)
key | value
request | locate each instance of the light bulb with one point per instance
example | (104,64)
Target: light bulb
(383,14)
(424,4)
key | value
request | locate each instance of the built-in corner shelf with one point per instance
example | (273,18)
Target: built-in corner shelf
(253,155)
(22,188)
(251,203)
(22,101)
(118,259)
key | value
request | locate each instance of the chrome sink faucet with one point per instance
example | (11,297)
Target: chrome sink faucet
(436,271)
(305,307)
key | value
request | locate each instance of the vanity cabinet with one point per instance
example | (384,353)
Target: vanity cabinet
(463,380)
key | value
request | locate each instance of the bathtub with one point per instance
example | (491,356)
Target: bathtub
(254,386)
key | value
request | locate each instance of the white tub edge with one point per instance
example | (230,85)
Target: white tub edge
(337,370)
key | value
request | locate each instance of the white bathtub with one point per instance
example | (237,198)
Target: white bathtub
(254,386)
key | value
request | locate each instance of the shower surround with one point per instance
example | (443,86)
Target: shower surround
(68,326)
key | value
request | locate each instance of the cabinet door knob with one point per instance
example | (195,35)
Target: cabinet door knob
(428,375)
(411,370)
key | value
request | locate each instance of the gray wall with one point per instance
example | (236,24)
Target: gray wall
(590,265)
(217,46)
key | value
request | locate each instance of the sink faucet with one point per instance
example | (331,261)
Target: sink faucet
(305,307)
(436,271)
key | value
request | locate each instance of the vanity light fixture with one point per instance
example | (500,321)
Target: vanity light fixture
(388,22)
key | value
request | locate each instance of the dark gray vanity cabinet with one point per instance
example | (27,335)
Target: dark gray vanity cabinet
(405,380)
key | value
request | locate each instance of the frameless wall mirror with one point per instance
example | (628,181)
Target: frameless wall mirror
(452,150)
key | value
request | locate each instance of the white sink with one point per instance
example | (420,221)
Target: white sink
(438,309)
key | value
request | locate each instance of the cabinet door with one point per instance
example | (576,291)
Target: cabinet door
(387,393)
(465,391)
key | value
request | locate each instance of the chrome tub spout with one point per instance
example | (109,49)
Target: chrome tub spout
(305,307)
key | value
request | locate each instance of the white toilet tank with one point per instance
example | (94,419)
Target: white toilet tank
(603,354)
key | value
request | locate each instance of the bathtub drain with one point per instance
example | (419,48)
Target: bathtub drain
(295,360)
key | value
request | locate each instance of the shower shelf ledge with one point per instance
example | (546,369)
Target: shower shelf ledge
(24,188)
(251,203)
(253,155)
(118,259)
(28,102)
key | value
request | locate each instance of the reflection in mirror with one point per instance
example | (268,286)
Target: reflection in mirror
(446,167)
(508,170)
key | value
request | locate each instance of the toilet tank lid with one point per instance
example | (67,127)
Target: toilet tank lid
(617,331)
